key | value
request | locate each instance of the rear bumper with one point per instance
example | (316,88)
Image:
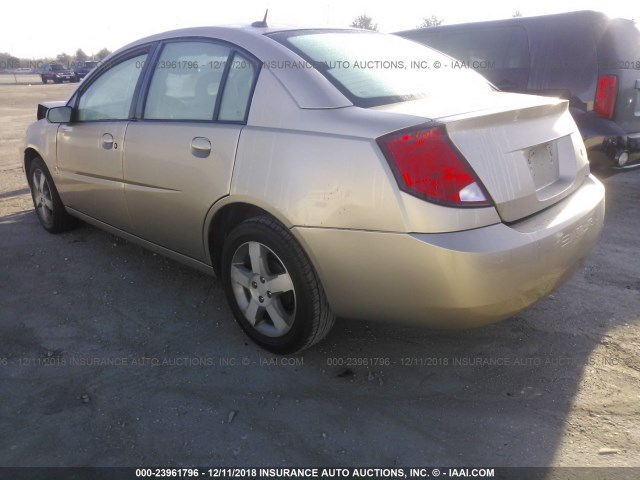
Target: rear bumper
(607,149)
(634,142)
(459,279)
(633,147)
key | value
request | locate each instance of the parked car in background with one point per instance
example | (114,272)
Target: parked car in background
(56,73)
(585,57)
(319,178)
(82,67)
(23,71)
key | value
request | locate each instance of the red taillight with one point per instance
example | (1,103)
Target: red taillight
(606,95)
(427,165)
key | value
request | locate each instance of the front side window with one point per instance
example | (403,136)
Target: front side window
(186,81)
(109,96)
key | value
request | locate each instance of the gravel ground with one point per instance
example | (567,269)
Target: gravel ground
(113,356)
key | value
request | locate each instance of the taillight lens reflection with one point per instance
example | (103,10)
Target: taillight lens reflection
(427,165)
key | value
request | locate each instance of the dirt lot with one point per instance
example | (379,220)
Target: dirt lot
(113,356)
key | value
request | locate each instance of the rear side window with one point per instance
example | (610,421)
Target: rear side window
(374,69)
(199,81)
(237,89)
(186,81)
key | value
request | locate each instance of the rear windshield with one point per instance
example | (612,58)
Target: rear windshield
(374,69)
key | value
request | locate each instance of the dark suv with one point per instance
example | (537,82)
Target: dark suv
(585,57)
(82,67)
(56,73)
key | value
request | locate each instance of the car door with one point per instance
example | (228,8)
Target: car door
(179,155)
(89,149)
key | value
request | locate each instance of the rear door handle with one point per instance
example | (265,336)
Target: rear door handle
(107,141)
(200,147)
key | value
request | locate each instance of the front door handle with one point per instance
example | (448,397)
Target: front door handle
(200,147)
(107,141)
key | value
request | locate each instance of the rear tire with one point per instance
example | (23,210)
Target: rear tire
(46,201)
(273,290)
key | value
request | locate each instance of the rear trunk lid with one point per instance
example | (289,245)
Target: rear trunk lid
(526,150)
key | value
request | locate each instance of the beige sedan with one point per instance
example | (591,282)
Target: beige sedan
(321,174)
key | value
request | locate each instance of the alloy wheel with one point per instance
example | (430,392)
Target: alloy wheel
(263,289)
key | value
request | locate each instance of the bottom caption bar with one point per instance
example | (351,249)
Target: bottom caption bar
(227,473)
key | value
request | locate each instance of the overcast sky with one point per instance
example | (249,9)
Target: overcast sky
(36,28)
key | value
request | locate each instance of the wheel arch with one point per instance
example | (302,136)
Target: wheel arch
(223,218)
(228,213)
(30,154)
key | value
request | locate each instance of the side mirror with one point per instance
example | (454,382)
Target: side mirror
(59,115)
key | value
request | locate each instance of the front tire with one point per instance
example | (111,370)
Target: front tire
(46,201)
(273,290)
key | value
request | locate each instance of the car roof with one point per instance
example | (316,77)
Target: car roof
(217,31)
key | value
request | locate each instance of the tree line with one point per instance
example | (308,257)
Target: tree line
(365,22)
